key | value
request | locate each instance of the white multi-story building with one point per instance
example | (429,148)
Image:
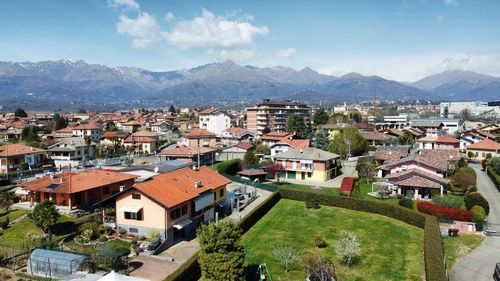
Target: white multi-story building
(488,109)
(214,120)
(87,131)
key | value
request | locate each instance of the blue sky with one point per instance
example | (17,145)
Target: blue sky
(402,40)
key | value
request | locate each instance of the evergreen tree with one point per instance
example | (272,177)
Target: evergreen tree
(171,109)
(59,122)
(222,255)
(296,124)
(29,134)
(250,158)
(266,131)
(320,117)
(111,126)
(20,112)
(320,140)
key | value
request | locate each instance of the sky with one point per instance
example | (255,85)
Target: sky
(403,40)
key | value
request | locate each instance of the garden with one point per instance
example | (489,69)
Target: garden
(388,249)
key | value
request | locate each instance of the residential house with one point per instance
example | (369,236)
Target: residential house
(214,120)
(140,145)
(87,131)
(272,138)
(198,138)
(331,129)
(114,138)
(71,152)
(130,126)
(390,154)
(484,149)
(287,144)
(160,127)
(474,136)
(77,189)
(439,142)
(173,203)
(234,152)
(377,138)
(14,157)
(205,155)
(491,128)
(309,164)
(235,135)
(434,125)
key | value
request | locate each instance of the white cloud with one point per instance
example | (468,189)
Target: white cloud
(170,16)
(451,2)
(144,29)
(286,53)
(127,4)
(239,56)
(215,32)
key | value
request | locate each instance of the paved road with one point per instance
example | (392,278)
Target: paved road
(478,265)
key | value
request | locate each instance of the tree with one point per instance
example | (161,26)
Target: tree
(406,138)
(250,158)
(29,134)
(59,122)
(111,126)
(365,170)
(286,256)
(20,112)
(476,199)
(45,216)
(222,255)
(463,180)
(266,131)
(478,214)
(348,248)
(274,171)
(320,117)
(321,140)
(296,124)
(348,142)
(320,268)
(262,149)
(82,111)
(171,109)
(470,154)
(406,202)
(495,164)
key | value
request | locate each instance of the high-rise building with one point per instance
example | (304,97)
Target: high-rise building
(486,109)
(273,115)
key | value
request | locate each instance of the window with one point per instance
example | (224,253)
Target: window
(309,174)
(184,210)
(133,216)
(133,230)
(221,193)
(176,213)
(106,190)
(136,196)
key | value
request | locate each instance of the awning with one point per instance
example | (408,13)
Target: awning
(183,224)
(21,191)
(130,209)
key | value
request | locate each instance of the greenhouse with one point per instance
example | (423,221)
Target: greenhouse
(54,264)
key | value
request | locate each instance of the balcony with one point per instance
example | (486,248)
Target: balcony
(300,169)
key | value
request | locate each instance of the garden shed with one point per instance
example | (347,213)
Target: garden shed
(54,264)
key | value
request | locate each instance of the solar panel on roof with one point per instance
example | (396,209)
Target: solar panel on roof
(53,185)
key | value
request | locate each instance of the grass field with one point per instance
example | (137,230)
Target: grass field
(13,214)
(457,247)
(390,250)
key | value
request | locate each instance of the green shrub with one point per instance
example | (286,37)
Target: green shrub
(356,192)
(433,251)
(113,253)
(467,170)
(230,167)
(495,164)
(312,204)
(122,231)
(476,199)
(153,235)
(448,201)
(478,214)
(471,189)
(495,177)
(406,202)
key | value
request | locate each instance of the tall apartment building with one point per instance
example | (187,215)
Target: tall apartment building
(488,109)
(273,115)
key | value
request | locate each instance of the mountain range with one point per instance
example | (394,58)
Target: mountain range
(75,84)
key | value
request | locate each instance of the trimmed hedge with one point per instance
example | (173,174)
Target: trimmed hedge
(396,212)
(433,251)
(258,212)
(495,178)
(443,212)
(189,270)
(230,167)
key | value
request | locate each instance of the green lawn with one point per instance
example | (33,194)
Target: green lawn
(13,214)
(390,250)
(323,190)
(457,247)
(18,235)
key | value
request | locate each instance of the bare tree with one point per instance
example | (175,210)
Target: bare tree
(365,170)
(286,255)
(348,248)
(320,268)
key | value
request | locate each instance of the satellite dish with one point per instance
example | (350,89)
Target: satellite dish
(156,169)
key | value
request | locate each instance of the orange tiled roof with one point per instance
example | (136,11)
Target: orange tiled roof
(86,127)
(175,187)
(73,182)
(198,133)
(485,144)
(187,150)
(209,111)
(296,143)
(445,139)
(18,149)
(145,133)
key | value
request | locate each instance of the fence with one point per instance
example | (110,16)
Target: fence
(268,187)
(21,174)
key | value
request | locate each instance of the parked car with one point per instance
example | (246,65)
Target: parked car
(496,272)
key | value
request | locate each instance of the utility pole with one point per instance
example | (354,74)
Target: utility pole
(198,152)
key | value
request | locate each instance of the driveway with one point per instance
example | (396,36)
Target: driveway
(479,264)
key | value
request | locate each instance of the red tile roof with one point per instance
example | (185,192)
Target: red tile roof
(209,111)
(444,139)
(187,150)
(347,184)
(485,144)
(72,182)
(18,149)
(178,186)
(197,133)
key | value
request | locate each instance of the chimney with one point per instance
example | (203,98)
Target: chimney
(195,168)
(301,150)
(198,184)
(122,187)
(61,179)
